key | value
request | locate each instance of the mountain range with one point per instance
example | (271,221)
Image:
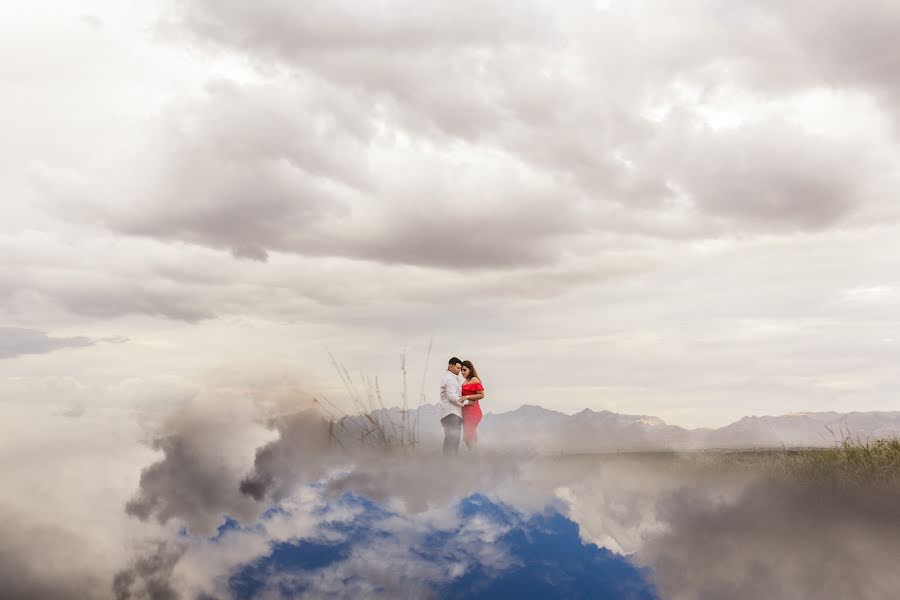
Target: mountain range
(535,428)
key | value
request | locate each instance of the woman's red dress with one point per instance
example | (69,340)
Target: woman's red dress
(471,413)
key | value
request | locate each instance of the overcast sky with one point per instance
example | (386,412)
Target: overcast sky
(684,209)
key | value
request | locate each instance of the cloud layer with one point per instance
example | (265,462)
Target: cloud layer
(364,133)
(16,341)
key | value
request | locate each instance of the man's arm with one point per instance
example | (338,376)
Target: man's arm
(444,397)
(450,393)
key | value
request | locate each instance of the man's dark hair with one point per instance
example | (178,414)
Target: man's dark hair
(454,361)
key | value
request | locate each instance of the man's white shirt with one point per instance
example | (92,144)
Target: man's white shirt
(450,394)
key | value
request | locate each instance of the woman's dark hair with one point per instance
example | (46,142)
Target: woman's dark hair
(472,372)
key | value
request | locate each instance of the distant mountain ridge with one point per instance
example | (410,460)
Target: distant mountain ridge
(536,428)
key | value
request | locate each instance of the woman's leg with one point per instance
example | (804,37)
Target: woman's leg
(471,418)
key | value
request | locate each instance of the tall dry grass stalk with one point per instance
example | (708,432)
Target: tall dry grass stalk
(374,426)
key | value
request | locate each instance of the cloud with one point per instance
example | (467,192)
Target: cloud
(18,341)
(656,506)
(429,137)
(476,546)
(188,484)
(64,534)
(581,116)
(149,576)
(36,563)
(244,170)
(92,21)
(419,482)
(765,537)
(196,480)
(777,540)
(207,445)
(97,277)
(836,46)
(346,25)
(237,172)
(684,190)
(764,176)
(297,456)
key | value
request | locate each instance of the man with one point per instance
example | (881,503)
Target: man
(451,407)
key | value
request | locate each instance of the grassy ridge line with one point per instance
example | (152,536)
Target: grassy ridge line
(850,462)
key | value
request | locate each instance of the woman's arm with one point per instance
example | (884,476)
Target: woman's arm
(477,395)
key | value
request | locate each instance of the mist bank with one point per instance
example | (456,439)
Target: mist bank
(219,490)
(695,529)
(702,528)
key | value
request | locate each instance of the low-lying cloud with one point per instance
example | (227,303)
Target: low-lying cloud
(19,341)
(777,540)
(229,490)
(149,577)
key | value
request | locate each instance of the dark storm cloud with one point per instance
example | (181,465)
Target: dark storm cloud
(17,341)
(192,482)
(297,456)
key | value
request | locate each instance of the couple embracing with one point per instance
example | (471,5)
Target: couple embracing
(459,407)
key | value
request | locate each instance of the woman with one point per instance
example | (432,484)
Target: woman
(472,392)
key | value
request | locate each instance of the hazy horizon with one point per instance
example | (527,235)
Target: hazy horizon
(574,412)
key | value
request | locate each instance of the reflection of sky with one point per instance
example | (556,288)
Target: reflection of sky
(478,549)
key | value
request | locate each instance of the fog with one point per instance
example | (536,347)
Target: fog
(220,484)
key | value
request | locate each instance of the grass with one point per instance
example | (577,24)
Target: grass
(849,462)
(373,426)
